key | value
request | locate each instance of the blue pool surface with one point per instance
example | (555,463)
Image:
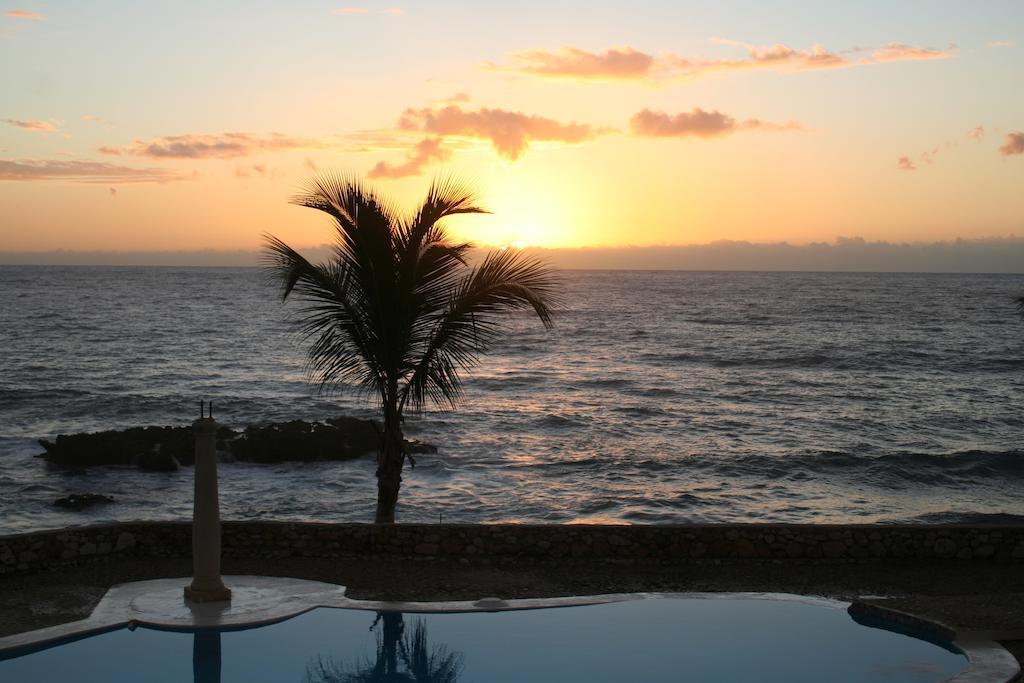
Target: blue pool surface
(665,639)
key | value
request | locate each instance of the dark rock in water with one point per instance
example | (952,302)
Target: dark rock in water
(158,461)
(164,449)
(300,441)
(415,446)
(80,501)
(128,447)
(361,435)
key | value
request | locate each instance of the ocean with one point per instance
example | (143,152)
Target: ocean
(659,397)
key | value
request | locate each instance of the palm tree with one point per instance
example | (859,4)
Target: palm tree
(397,312)
(395,651)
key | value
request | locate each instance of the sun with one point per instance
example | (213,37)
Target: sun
(524,211)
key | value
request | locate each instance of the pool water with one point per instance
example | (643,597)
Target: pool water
(665,639)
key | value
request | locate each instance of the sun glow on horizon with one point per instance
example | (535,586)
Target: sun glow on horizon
(667,139)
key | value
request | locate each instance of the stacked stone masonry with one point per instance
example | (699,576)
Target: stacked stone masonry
(32,552)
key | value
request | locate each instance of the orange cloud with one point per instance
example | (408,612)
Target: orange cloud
(509,131)
(24,14)
(905,164)
(1014,144)
(698,123)
(975,134)
(624,63)
(82,172)
(33,125)
(212,146)
(425,151)
(457,98)
(928,156)
(630,64)
(900,52)
(778,57)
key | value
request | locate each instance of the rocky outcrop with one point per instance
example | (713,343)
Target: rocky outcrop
(415,446)
(298,441)
(127,446)
(158,461)
(164,449)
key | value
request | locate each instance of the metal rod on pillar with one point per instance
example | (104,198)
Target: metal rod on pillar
(207,585)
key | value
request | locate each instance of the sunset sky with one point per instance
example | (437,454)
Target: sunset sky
(177,126)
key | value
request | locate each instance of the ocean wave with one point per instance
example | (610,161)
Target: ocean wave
(897,469)
(772,397)
(606,383)
(956,517)
(560,422)
(640,411)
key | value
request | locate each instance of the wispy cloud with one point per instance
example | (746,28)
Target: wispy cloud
(24,14)
(630,64)
(1002,43)
(212,146)
(258,170)
(457,98)
(624,63)
(901,52)
(363,11)
(425,152)
(510,132)
(36,125)
(911,162)
(905,164)
(83,172)
(1013,145)
(699,123)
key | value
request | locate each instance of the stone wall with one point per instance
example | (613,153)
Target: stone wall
(25,553)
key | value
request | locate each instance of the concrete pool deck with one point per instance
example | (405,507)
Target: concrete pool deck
(261,600)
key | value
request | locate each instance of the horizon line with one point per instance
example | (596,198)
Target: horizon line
(1003,255)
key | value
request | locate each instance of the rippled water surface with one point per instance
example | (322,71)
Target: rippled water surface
(659,397)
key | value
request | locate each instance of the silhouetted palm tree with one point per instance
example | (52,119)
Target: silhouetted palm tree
(397,311)
(399,659)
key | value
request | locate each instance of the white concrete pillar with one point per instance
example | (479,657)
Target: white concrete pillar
(207,585)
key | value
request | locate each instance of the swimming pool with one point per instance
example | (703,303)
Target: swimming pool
(656,639)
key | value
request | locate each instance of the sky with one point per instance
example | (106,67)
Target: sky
(136,127)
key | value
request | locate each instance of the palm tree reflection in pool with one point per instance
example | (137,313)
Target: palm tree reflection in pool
(400,658)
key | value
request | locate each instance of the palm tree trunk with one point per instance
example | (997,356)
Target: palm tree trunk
(391,634)
(389,467)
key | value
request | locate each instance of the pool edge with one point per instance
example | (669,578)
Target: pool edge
(988,661)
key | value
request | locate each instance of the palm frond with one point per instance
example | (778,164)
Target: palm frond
(330,318)
(447,196)
(396,310)
(506,280)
